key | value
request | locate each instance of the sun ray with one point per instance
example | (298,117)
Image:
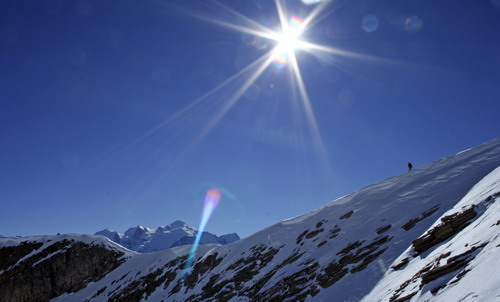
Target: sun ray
(310,116)
(264,34)
(313,15)
(312,47)
(197,102)
(245,18)
(267,58)
(319,13)
(282,15)
(260,65)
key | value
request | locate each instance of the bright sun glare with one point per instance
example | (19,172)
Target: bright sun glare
(289,39)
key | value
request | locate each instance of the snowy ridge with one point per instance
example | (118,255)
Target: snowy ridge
(47,240)
(431,234)
(340,251)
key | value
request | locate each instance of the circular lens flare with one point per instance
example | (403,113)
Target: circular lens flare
(280,59)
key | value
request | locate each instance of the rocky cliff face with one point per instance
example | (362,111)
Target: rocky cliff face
(44,268)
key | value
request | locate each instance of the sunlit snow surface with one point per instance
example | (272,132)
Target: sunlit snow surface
(450,183)
(482,282)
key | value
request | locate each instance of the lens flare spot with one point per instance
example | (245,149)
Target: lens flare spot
(213,196)
(296,22)
(413,24)
(369,23)
(280,59)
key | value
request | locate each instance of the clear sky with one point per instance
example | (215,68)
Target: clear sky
(104,123)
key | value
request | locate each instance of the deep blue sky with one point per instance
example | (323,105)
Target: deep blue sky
(81,82)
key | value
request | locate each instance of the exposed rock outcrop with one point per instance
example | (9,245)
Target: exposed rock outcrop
(64,266)
(450,226)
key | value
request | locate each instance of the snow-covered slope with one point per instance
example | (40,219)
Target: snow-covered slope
(142,239)
(456,268)
(429,234)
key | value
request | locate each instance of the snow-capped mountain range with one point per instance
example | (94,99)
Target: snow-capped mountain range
(431,234)
(144,240)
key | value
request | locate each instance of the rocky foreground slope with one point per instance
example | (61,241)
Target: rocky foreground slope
(431,234)
(43,267)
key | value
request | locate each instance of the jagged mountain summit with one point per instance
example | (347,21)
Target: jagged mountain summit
(431,234)
(143,240)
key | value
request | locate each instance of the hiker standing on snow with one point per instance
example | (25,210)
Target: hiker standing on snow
(409,166)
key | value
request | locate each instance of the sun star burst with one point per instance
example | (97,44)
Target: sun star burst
(289,38)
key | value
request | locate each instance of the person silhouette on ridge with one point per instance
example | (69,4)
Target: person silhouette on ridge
(409,166)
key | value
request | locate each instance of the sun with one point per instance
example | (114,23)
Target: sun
(289,39)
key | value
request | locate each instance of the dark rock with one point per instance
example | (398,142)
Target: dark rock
(295,285)
(383,229)
(320,223)
(401,264)
(334,232)
(376,242)
(10,255)
(442,270)
(367,260)
(71,266)
(321,243)
(461,220)
(331,274)
(410,224)
(443,232)
(347,215)
(403,299)
(351,246)
(430,211)
(314,233)
(246,269)
(100,291)
(450,225)
(301,236)
(433,270)
(200,268)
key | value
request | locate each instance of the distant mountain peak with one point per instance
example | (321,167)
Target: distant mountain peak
(143,239)
(174,225)
(177,224)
